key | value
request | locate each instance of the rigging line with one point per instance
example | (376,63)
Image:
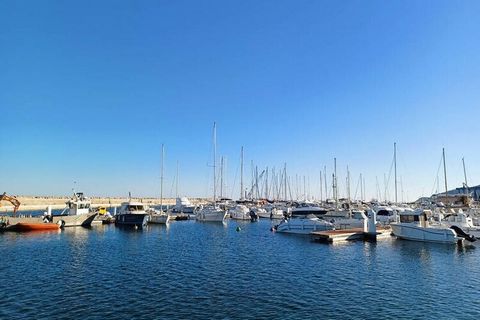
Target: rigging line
(436,178)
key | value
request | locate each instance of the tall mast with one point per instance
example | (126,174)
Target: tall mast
(445,172)
(161,179)
(285,179)
(241,174)
(221,177)
(361,187)
(321,191)
(176,183)
(335,182)
(266,183)
(214,163)
(395,164)
(465,174)
(304,189)
(325,181)
(348,185)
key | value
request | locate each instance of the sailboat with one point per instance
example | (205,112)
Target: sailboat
(212,213)
(160,217)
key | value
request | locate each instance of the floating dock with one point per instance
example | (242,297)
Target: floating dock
(331,236)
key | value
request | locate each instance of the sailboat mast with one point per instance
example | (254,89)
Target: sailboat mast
(214,162)
(285,180)
(335,182)
(445,172)
(321,191)
(161,179)
(176,183)
(465,174)
(241,174)
(348,184)
(325,180)
(395,165)
(221,177)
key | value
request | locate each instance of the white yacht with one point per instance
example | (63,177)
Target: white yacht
(415,226)
(183,205)
(211,214)
(303,225)
(159,217)
(132,213)
(240,212)
(346,219)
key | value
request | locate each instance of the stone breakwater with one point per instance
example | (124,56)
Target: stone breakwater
(30,203)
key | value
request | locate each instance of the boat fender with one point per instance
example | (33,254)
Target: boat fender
(61,223)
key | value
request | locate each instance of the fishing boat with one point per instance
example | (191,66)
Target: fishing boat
(212,213)
(132,214)
(76,213)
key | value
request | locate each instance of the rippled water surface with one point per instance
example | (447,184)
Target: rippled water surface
(207,270)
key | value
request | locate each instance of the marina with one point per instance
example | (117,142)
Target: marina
(239,160)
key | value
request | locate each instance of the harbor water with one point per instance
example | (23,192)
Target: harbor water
(189,270)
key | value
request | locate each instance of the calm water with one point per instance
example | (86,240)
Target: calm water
(201,270)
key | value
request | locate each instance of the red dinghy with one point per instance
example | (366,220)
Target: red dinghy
(23,227)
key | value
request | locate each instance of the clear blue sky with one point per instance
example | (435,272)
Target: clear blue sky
(91,89)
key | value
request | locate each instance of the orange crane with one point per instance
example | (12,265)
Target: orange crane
(12,200)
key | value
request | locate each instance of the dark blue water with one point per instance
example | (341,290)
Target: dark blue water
(203,270)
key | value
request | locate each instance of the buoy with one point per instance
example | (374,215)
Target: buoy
(238,229)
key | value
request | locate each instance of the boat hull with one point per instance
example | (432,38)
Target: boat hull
(139,220)
(84,220)
(26,227)
(303,226)
(159,219)
(212,216)
(415,233)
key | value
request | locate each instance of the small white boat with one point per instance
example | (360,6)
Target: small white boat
(211,214)
(303,225)
(159,217)
(415,226)
(240,212)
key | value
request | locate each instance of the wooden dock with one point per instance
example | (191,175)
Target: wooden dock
(349,235)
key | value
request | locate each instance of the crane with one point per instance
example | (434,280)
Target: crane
(12,200)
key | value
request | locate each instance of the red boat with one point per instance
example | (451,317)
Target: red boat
(24,227)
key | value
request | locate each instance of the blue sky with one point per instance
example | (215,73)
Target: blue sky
(91,89)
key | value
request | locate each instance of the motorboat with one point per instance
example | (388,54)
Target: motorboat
(414,225)
(346,219)
(240,212)
(308,210)
(132,213)
(159,217)
(183,206)
(211,214)
(303,225)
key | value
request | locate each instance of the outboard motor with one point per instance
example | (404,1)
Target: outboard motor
(463,234)
(253,216)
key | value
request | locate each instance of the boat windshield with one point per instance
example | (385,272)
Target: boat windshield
(407,218)
(135,208)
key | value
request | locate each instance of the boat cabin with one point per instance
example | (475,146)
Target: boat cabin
(133,208)
(78,204)
(419,217)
